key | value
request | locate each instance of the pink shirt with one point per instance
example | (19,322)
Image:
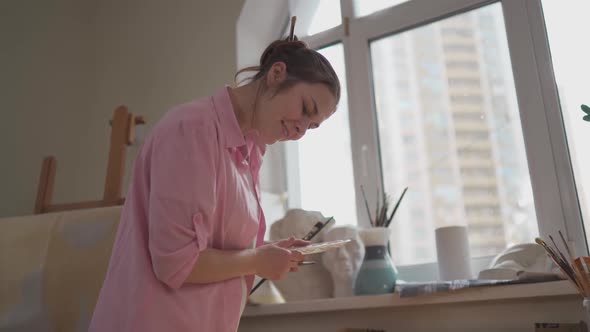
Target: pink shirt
(191,190)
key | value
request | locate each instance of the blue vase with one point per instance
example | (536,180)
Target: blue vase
(377,274)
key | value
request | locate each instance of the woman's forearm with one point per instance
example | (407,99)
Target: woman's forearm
(215,265)
(269,261)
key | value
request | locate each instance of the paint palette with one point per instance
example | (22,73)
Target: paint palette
(320,247)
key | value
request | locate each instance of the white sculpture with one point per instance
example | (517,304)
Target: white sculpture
(517,259)
(345,262)
(311,281)
(297,223)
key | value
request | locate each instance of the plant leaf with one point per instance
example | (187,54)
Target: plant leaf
(585,108)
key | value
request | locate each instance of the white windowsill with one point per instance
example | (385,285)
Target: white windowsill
(488,293)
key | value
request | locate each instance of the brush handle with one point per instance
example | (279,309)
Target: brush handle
(569,251)
(312,233)
(563,266)
(578,278)
(396,206)
(571,278)
(367,205)
(583,276)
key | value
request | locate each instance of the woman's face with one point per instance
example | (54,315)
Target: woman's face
(290,113)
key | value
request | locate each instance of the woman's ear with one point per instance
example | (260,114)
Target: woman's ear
(276,74)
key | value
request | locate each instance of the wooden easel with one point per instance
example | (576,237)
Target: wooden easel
(122,134)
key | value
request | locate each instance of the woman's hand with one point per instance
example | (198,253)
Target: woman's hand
(290,243)
(274,260)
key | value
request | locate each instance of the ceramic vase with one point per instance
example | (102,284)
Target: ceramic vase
(377,274)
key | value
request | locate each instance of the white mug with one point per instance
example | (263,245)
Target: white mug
(452,251)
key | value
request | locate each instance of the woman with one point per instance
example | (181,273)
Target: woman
(184,255)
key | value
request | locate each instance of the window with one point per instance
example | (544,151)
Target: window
(473,172)
(458,48)
(445,160)
(457,31)
(467,99)
(314,16)
(462,64)
(461,81)
(366,7)
(443,99)
(473,135)
(326,16)
(326,181)
(469,117)
(572,69)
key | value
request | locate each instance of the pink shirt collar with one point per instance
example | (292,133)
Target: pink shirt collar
(233,138)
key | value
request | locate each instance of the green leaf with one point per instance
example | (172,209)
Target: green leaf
(586,109)
(586,118)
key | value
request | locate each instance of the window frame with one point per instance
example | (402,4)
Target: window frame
(552,179)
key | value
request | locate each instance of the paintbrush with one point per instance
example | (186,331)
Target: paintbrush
(316,229)
(310,235)
(565,268)
(367,205)
(582,264)
(559,251)
(577,265)
(556,259)
(382,216)
(583,276)
(376,208)
(396,206)
(569,252)
(585,261)
(577,276)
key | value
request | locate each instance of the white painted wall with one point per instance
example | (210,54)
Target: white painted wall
(67,64)
(46,78)
(260,23)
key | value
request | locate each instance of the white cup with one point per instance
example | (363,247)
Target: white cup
(452,251)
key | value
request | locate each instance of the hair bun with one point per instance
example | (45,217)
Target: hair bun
(280,50)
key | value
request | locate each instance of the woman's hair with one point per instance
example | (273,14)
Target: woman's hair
(303,65)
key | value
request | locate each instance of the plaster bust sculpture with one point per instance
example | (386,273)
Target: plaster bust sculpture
(345,262)
(310,282)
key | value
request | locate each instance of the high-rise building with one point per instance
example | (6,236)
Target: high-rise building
(450,130)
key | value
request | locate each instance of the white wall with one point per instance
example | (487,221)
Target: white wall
(254,33)
(46,76)
(67,64)
(253,36)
